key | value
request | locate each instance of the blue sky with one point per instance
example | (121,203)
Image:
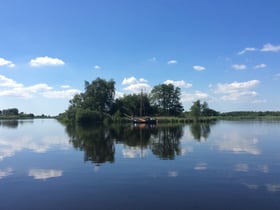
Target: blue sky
(224,52)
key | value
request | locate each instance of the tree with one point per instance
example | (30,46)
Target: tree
(196,110)
(91,105)
(166,98)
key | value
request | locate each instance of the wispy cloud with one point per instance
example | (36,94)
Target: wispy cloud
(46,61)
(135,85)
(237,90)
(266,48)
(247,49)
(260,66)
(172,62)
(239,66)
(270,48)
(4,62)
(97,67)
(199,68)
(180,83)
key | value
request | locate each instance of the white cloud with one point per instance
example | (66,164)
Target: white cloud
(97,67)
(180,83)
(4,62)
(190,97)
(44,173)
(9,87)
(248,49)
(46,61)
(237,90)
(172,62)
(260,66)
(6,82)
(277,76)
(136,85)
(199,68)
(65,86)
(239,66)
(69,93)
(270,48)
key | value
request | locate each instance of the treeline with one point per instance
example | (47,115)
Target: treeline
(98,104)
(14,113)
(250,114)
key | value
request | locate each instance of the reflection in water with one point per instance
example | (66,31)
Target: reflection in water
(44,173)
(166,142)
(236,143)
(9,123)
(13,123)
(200,131)
(5,172)
(96,142)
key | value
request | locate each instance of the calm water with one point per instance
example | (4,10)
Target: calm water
(227,165)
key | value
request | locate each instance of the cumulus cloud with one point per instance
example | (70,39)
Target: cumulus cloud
(247,49)
(172,62)
(239,66)
(190,97)
(260,66)
(69,93)
(46,61)
(4,62)
(237,90)
(135,85)
(179,83)
(199,68)
(9,87)
(270,48)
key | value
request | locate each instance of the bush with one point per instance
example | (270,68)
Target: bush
(85,117)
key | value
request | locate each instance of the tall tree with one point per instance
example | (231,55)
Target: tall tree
(166,97)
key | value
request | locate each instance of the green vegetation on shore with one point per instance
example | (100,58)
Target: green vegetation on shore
(13,114)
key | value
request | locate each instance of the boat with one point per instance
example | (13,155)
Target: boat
(144,120)
(141,119)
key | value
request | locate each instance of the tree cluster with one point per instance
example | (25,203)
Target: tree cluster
(98,103)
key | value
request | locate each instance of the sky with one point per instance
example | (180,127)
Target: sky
(226,53)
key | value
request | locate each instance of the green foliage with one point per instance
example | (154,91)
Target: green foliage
(92,105)
(198,110)
(166,98)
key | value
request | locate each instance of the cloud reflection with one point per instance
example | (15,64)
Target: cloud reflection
(236,143)
(44,173)
(200,166)
(242,167)
(9,146)
(5,172)
(133,153)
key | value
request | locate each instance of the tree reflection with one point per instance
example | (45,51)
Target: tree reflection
(166,142)
(200,131)
(96,142)
(9,123)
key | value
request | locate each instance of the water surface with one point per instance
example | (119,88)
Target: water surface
(226,165)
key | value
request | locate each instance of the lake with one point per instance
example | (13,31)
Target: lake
(225,165)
